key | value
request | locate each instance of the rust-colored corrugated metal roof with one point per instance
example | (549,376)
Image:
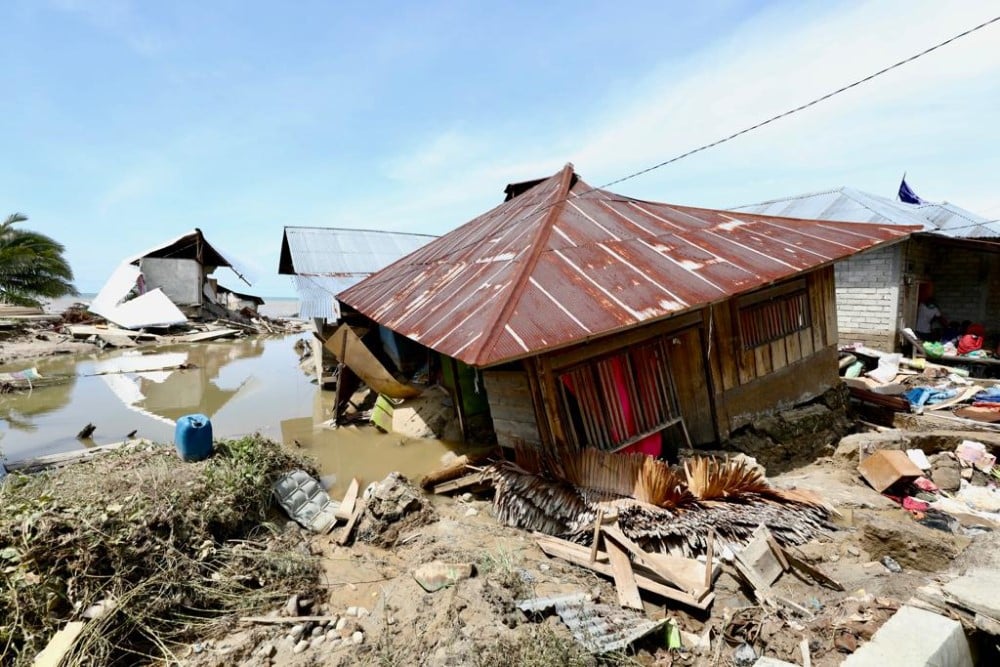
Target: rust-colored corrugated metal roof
(563,263)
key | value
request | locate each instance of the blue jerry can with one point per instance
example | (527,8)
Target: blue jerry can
(193,437)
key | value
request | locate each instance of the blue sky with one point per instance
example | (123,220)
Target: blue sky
(128,123)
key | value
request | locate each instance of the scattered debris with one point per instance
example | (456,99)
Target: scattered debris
(914,637)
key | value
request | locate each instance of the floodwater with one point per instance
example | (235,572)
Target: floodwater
(243,386)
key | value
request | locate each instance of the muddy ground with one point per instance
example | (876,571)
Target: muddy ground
(475,621)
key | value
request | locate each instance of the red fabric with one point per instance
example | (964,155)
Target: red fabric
(969,343)
(915,504)
(925,484)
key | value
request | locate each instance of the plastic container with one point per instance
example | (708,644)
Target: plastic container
(193,437)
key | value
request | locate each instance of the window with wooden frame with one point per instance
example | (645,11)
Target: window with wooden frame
(774,313)
(619,399)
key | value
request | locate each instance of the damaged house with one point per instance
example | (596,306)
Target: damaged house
(954,259)
(324,261)
(594,319)
(172,282)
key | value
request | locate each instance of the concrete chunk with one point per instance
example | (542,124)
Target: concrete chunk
(976,591)
(914,638)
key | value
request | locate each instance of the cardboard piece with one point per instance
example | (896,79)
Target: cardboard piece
(888,467)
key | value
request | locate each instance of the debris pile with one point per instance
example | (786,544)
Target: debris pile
(953,491)
(141,550)
(660,508)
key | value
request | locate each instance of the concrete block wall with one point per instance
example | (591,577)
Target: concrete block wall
(868,294)
(966,284)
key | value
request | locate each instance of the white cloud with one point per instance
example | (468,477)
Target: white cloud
(918,117)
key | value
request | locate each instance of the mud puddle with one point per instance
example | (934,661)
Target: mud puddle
(245,386)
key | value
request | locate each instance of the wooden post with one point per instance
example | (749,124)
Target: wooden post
(597,534)
(340,375)
(709,555)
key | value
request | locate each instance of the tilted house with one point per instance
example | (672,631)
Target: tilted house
(599,319)
(878,291)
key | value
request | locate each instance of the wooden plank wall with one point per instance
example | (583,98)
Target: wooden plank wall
(736,371)
(735,367)
(513,412)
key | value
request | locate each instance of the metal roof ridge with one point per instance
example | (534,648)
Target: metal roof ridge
(357,229)
(536,248)
(803,195)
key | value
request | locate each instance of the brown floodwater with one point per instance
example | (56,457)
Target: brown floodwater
(243,386)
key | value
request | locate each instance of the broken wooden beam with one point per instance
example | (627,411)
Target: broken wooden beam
(580,555)
(684,573)
(472,480)
(345,535)
(346,509)
(621,571)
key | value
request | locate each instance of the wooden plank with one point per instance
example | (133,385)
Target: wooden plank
(516,429)
(806,342)
(761,360)
(685,573)
(522,413)
(573,356)
(830,300)
(349,349)
(793,348)
(65,458)
(60,644)
(579,555)
(345,534)
(816,574)
(709,557)
(758,556)
(779,359)
(347,505)
(817,310)
(468,481)
(725,346)
(595,545)
(621,570)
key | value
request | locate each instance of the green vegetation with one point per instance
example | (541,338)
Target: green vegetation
(173,548)
(32,266)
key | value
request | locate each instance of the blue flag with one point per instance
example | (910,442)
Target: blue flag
(908,195)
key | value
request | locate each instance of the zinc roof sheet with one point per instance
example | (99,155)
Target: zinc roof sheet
(852,205)
(344,253)
(563,263)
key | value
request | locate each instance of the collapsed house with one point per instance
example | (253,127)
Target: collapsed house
(172,282)
(953,259)
(588,318)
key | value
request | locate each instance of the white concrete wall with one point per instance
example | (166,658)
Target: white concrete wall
(180,279)
(868,293)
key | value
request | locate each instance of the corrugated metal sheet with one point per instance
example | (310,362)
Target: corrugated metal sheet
(561,264)
(600,628)
(326,261)
(852,205)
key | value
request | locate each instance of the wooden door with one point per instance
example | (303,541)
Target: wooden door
(687,365)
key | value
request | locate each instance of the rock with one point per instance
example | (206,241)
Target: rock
(357,637)
(305,603)
(465,497)
(297,631)
(472,511)
(268,650)
(198,647)
(331,634)
(318,630)
(351,611)
(854,551)
(946,474)
(436,575)
(911,545)
(334,642)
(317,641)
(845,642)
(301,646)
(891,564)
(342,623)
(362,612)
(292,606)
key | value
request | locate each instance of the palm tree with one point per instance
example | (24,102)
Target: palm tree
(32,266)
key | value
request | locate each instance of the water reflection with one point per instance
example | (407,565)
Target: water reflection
(245,386)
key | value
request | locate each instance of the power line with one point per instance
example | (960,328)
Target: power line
(803,106)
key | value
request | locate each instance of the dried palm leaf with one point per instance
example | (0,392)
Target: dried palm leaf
(709,478)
